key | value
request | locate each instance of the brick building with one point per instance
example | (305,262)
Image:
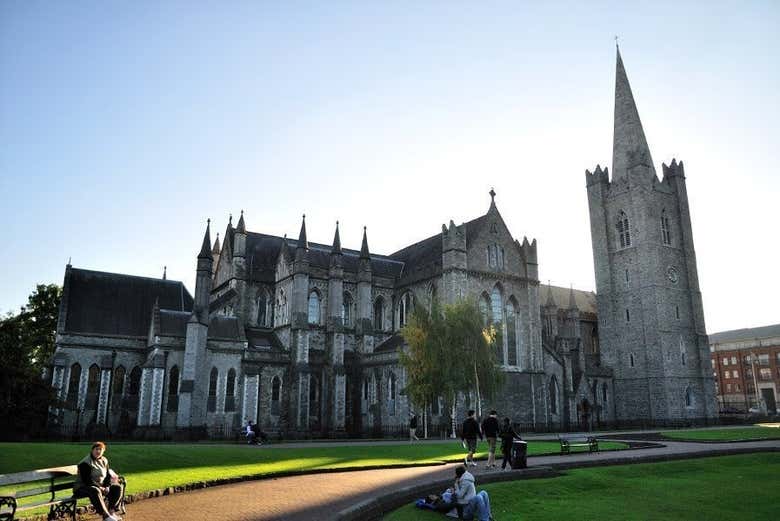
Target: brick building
(746,366)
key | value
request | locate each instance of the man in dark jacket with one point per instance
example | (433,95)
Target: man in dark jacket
(413,428)
(468,436)
(490,430)
(508,434)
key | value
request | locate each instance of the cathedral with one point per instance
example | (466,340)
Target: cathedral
(303,338)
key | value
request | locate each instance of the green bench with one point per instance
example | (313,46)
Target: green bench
(39,489)
(578,440)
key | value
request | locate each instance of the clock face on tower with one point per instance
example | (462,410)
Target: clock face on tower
(672,275)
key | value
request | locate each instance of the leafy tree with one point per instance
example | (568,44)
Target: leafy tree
(26,344)
(450,351)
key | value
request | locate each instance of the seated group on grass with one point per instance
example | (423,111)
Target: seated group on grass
(99,483)
(461,501)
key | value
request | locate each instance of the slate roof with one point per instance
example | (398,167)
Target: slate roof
(585,300)
(262,251)
(118,304)
(173,323)
(751,333)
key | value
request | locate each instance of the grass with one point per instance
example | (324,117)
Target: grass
(745,433)
(150,466)
(721,488)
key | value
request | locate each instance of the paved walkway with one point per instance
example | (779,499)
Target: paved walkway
(322,496)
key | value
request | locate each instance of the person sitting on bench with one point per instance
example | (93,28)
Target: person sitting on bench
(99,483)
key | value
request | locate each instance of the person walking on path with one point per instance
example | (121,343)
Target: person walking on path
(95,480)
(490,429)
(507,435)
(468,435)
(413,428)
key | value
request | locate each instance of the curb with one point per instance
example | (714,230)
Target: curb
(374,509)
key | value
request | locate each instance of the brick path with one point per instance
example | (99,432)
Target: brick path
(322,496)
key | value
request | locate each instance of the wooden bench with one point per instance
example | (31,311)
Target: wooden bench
(39,483)
(578,440)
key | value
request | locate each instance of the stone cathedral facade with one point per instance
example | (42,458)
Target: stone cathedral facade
(303,337)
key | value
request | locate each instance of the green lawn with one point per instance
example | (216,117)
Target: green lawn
(745,433)
(159,465)
(727,488)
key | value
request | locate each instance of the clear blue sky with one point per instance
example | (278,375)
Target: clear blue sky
(124,125)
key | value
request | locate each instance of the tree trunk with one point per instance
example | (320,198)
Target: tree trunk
(452,415)
(479,398)
(425,420)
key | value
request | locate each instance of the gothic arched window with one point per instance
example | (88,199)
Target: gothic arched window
(553,395)
(379,312)
(604,393)
(391,388)
(511,332)
(211,405)
(688,397)
(118,386)
(173,389)
(404,308)
(135,381)
(624,230)
(347,307)
(495,306)
(173,381)
(276,391)
(484,305)
(262,309)
(314,308)
(666,234)
(230,391)
(73,384)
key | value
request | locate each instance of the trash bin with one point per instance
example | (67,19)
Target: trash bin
(519,454)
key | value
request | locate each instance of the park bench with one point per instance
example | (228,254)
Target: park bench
(577,440)
(43,482)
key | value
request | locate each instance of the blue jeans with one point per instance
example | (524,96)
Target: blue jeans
(478,508)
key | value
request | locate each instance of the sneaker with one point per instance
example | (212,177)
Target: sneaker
(110,518)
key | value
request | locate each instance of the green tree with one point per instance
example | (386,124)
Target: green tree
(26,344)
(450,351)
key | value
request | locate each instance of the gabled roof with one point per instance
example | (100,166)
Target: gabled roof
(117,304)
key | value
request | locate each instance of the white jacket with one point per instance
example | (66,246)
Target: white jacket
(464,488)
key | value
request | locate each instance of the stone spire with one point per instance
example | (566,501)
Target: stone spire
(165,276)
(336,241)
(550,299)
(629,146)
(241,226)
(302,242)
(216,249)
(205,249)
(364,246)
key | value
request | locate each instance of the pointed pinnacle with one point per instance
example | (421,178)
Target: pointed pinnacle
(572,300)
(336,241)
(241,226)
(217,247)
(302,242)
(205,249)
(364,246)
